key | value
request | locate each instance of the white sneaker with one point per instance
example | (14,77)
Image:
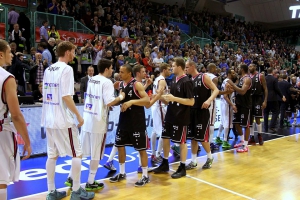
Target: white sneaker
(294,123)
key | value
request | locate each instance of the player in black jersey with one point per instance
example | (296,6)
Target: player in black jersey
(243,101)
(259,102)
(198,129)
(177,117)
(131,129)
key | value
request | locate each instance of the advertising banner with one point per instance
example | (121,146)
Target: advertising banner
(2,32)
(21,3)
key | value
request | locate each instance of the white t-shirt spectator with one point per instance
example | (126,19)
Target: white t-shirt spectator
(157,62)
(115,31)
(124,32)
(124,46)
(239,57)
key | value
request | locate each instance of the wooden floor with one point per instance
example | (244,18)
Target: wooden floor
(266,172)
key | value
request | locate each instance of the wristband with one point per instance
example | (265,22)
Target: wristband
(121,97)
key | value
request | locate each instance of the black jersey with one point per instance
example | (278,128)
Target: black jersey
(179,114)
(133,119)
(201,91)
(246,99)
(257,88)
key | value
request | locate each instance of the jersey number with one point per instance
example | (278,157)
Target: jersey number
(198,83)
(130,93)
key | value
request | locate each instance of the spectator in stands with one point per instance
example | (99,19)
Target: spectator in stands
(53,7)
(154,53)
(158,60)
(37,72)
(46,55)
(116,30)
(96,25)
(63,9)
(19,71)
(124,31)
(19,92)
(86,19)
(51,47)
(125,44)
(224,64)
(130,59)
(120,62)
(86,56)
(53,33)
(43,32)
(38,94)
(108,24)
(24,26)
(109,46)
(41,7)
(13,17)
(84,81)
(74,63)
(16,37)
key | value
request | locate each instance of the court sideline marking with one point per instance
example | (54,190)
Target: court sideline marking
(64,188)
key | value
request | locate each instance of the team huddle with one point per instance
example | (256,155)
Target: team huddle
(183,111)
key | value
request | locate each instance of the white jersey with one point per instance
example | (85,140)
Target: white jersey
(155,87)
(211,76)
(223,87)
(58,82)
(99,93)
(4,75)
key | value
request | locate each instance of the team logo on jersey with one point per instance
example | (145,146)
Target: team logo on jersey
(199,126)
(49,97)
(51,85)
(136,134)
(88,106)
(175,128)
(242,116)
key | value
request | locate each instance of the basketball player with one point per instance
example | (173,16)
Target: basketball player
(131,129)
(259,102)
(10,157)
(99,97)
(227,107)
(158,109)
(177,117)
(243,101)
(294,101)
(57,118)
(205,91)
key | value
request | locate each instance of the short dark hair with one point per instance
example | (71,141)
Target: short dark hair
(63,47)
(163,66)
(284,76)
(45,21)
(136,69)
(244,67)
(103,64)
(44,45)
(128,68)
(3,46)
(270,70)
(229,71)
(179,62)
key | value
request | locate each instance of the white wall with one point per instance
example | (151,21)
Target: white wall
(238,8)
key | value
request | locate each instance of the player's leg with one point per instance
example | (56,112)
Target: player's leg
(246,124)
(212,109)
(227,121)
(237,123)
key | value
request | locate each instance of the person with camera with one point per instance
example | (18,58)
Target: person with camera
(86,56)
(37,71)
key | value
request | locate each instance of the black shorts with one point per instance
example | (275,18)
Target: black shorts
(139,140)
(242,116)
(257,102)
(176,133)
(199,127)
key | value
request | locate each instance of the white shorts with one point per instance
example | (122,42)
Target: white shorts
(158,115)
(212,112)
(63,142)
(226,114)
(10,158)
(93,144)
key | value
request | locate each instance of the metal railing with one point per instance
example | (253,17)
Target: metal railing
(231,45)
(81,28)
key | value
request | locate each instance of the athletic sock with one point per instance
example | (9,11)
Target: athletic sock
(112,153)
(220,130)
(153,143)
(3,194)
(50,168)
(140,162)
(76,173)
(226,133)
(194,158)
(159,147)
(211,134)
(245,143)
(93,170)
(252,130)
(145,171)
(70,173)
(259,128)
(122,168)
(209,155)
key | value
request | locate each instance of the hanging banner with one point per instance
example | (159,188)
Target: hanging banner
(21,3)
(2,32)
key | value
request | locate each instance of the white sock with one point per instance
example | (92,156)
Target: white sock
(122,168)
(259,128)
(76,173)
(211,134)
(50,168)
(3,194)
(252,131)
(112,153)
(209,155)
(70,173)
(226,132)
(159,147)
(145,171)
(93,170)
(246,143)
(153,143)
(140,162)
(194,158)
(220,130)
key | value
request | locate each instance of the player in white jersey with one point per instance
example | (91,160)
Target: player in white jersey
(57,118)
(158,109)
(227,106)
(9,155)
(98,98)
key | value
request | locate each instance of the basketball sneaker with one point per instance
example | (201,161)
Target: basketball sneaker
(69,182)
(94,186)
(239,144)
(226,144)
(117,178)
(208,163)
(260,139)
(218,140)
(143,181)
(110,166)
(155,159)
(242,149)
(251,140)
(81,194)
(56,195)
(180,172)
(214,146)
(191,165)
(176,149)
(163,167)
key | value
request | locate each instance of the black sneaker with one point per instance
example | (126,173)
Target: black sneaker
(143,181)
(94,186)
(163,167)
(208,163)
(180,172)
(117,178)
(69,182)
